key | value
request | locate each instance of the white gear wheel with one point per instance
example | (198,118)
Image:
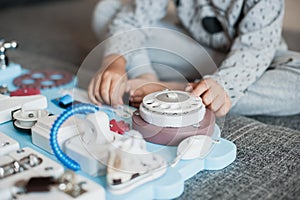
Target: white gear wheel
(172,109)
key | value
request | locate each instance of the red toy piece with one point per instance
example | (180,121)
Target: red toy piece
(25,92)
(118,126)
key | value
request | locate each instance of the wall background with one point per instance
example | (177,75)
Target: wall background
(291,24)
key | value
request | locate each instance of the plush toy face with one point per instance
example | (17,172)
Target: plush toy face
(211,22)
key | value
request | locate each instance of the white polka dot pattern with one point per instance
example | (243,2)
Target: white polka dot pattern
(249,30)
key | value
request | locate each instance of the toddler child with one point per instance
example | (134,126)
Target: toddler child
(257,74)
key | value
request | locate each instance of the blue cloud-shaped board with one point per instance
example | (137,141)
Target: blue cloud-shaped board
(171,184)
(12,71)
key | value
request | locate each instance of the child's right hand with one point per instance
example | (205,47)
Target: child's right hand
(109,85)
(213,95)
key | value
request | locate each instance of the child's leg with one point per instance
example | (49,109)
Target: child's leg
(277,92)
(176,59)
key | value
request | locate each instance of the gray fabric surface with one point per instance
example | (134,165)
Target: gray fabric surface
(292,122)
(267,165)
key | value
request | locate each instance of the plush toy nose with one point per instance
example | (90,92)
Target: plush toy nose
(212,25)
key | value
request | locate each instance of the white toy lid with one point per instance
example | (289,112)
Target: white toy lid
(172,109)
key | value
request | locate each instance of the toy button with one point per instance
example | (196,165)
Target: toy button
(25,92)
(65,101)
(172,95)
(118,126)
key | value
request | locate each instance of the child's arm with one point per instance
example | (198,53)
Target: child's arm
(128,38)
(110,83)
(129,31)
(258,37)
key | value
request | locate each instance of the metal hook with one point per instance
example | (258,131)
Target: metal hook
(3,47)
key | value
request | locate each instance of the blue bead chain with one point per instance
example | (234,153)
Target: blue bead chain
(70,111)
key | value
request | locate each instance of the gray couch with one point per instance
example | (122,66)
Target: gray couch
(57,34)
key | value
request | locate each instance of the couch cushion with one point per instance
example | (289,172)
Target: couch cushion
(267,165)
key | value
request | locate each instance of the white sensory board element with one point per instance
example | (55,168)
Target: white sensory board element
(47,167)
(41,132)
(172,109)
(169,185)
(7,144)
(9,104)
(93,191)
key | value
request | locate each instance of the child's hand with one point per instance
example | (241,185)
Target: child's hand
(146,84)
(141,86)
(213,95)
(109,85)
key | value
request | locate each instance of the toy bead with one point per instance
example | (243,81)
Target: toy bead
(72,110)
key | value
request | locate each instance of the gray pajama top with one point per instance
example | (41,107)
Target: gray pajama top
(249,31)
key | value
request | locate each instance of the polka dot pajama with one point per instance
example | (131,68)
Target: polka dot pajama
(258,72)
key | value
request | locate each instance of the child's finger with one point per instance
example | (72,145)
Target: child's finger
(189,87)
(92,94)
(97,82)
(136,99)
(114,92)
(200,88)
(123,90)
(117,95)
(136,93)
(209,96)
(217,103)
(91,91)
(223,110)
(104,89)
(128,88)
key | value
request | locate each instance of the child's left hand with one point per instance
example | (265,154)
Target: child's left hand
(213,95)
